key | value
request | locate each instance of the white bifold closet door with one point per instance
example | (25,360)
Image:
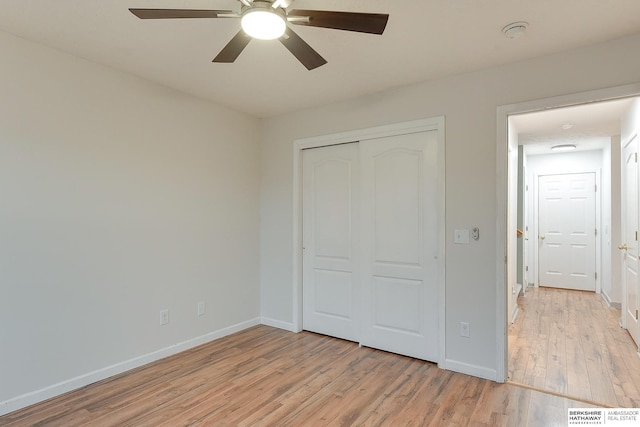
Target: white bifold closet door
(370,238)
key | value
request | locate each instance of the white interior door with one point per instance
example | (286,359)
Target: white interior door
(399,237)
(630,236)
(331,285)
(567,231)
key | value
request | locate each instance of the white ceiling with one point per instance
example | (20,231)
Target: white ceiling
(425,39)
(590,126)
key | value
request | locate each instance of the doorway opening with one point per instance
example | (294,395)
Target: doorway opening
(544,345)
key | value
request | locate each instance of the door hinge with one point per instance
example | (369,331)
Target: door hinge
(636,314)
(526,268)
(636,235)
(596,275)
(595,188)
(596,231)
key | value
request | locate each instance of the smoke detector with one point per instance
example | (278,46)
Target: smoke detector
(515,29)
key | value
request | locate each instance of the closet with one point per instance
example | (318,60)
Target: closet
(371,242)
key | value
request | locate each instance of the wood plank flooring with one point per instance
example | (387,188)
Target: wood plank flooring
(268,377)
(570,342)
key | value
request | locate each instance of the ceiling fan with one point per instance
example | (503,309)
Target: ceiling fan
(267,20)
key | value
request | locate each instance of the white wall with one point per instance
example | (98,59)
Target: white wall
(631,122)
(119,198)
(571,162)
(605,229)
(469,102)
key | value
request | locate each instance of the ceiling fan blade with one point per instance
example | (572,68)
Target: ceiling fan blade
(234,48)
(372,23)
(301,50)
(177,13)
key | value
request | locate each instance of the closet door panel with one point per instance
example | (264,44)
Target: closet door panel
(399,236)
(331,286)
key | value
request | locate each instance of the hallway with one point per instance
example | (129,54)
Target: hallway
(570,343)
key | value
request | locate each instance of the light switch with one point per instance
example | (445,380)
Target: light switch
(461,236)
(476,233)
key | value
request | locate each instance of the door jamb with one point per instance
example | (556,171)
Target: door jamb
(502,195)
(422,125)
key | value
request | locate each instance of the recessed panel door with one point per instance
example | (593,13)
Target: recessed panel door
(331,284)
(567,231)
(630,236)
(399,233)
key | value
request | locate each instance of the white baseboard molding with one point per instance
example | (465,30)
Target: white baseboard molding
(515,314)
(519,289)
(473,370)
(609,302)
(54,390)
(287,326)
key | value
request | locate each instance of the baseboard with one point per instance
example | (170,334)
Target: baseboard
(473,370)
(54,390)
(515,315)
(287,326)
(609,302)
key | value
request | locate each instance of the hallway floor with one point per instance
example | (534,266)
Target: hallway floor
(570,343)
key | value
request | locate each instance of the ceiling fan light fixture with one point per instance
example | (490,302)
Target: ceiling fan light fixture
(263,23)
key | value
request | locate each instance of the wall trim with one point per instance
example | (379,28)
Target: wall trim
(287,326)
(473,370)
(75,383)
(502,196)
(609,301)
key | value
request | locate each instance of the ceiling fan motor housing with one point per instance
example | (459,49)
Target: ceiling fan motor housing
(262,21)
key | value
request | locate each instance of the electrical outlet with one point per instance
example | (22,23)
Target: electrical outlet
(464,329)
(201,308)
(164,316)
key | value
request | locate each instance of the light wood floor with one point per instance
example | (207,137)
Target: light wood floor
(570,342)
(269,377)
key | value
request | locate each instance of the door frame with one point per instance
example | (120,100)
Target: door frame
(422,125)
(503,200)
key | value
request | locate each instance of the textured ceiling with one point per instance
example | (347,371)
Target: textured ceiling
(425,39)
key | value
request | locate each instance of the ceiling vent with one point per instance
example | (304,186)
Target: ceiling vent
(515,29)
